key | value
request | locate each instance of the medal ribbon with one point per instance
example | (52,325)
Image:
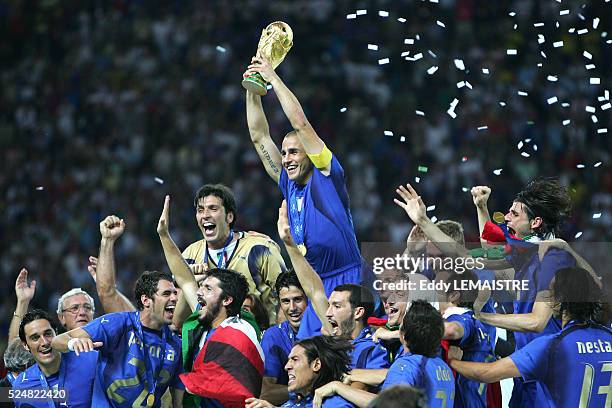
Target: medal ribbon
(150,376)
(222,259)
(296,217)
(60,385)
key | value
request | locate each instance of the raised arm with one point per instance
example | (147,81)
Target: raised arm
(177,264)
(77,340)
(313,145)
(534,321)
(309,279)
(260,136)
(24,292)
(111,228)
(480,196)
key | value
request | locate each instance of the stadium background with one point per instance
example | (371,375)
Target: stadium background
(101,101)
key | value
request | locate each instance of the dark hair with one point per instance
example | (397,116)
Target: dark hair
(232,284)
(466,297)
(35,314)
(423,328)
(334,354)
(259,311)
(147,285)
(547,199)
(577,294)
(360,297)
(222,192)
(400,396)
(287,279)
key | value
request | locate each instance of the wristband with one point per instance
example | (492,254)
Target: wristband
(71,343)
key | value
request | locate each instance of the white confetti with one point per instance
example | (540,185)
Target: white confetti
(420,113)
(596,216)
(511,51)
(558,44)
(373,47)
(497,172)
(40,188)
(460,84)
(512,14)
(566,122)
(519,145)
(606,106)
(590,109)
(464,189)
(467,83)
(543,54)
(441,24)
(159,181)
(563,12)
(434,219)
(220,48)
(362,12)
(432,54)
(383,61)
(595,23)
(552,78)
(607,95)
(401,20)
(269,87)
(590,66)
(528,140)
(451,113)
(482,128)
(597,164)
(403,54)
(408,41)
(522,93)
(402,138)
(578,234)
(571,30)
(351,16)
(383,13)
(565,104)
(515,26)
(552,100)
(583,31)
(594,81)
(485,71)
(459,64)
(587,54)
(431,70)
(501,103)
(538,24)
(417,179)
(343,110)
(535,147)
(388,133)
(418,56)
(525,154)
(539,65)
(541,39)
(431,208)
(580,166)
(602,130)
(418,37)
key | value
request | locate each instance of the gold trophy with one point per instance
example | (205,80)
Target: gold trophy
(275,42)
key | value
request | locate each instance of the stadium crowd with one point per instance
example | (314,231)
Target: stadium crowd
(107,107)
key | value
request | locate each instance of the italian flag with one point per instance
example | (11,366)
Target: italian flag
(230,366)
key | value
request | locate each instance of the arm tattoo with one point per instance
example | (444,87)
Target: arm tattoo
(268,158)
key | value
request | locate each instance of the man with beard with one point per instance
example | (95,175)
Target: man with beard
(253,255)
(221,349)
(347,310)
(278,340)
(134,346)
(67,377)
(535,215)
(572,366)
(313,184)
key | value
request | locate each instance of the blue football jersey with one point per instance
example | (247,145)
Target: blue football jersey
(75,377)
(430,374)
(574,366)
(122,378)
(367,354)
(335,401)
(276,343)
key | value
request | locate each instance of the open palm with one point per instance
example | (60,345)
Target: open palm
(411,202)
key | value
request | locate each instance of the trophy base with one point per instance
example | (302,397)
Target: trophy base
(255,84)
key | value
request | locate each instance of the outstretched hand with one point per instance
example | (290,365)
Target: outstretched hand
(92,268)
(164,219)
(284,231)
(23,290)
(412,203)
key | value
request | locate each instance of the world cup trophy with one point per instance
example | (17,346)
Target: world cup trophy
(275,42)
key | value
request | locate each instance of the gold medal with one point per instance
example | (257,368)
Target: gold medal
(150,400)
(498,217)
(302,249)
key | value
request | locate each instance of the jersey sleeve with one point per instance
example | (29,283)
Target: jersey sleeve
(468,329)
(379,358)
(283,183)
(189,254)
(553,260)
(107,329)
(532,359)
(273,366)
(401,372)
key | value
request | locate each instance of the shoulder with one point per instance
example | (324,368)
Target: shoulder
(258,239)
(193,248)
(28,378)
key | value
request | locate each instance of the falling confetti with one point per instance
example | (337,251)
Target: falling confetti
(552,100)
(383,13)
(434,219)
(441,24)
(383,61)
(597,164)
(522,93)
(159,181)
(566,122)
(40,188)
(596,216)
(578,234)
(587,54)
(220,48)
(422,169)
(482,128)
(388,133)
(373,47)
(342,110)
(362,12)
(485,71)
(431,208)
(417,179)
(351,16)
(525,154)
(420,113)
(580,166)
(594,81)
(552,78)
(459,64)
(511,51)
(402,138)
(432,70)
(497,172)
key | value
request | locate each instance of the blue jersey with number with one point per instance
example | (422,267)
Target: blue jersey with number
(573,366)
(121,379)
(476,346)
(77,374)
(367,354)
(276,343)
(328,230)
(538,274)
(430,374)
